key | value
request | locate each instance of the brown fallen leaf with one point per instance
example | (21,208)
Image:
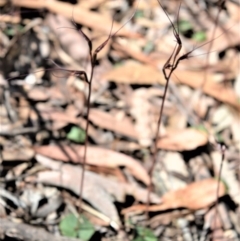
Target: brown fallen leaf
(197,195)
(95,156)
(134,73)
(107,121)
(182,140)
(82,16)
(58,116)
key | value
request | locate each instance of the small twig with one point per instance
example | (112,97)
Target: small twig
(11,112)
(171,66)
(93,59)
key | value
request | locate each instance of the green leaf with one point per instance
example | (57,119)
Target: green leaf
(219,138)
(139,14)
(199,36)
(68,226)
(76,134)
(185,26)
(149,47)
(145,234)
(13,31)
(86,229)
(200,128)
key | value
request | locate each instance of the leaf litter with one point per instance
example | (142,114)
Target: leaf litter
(44,116)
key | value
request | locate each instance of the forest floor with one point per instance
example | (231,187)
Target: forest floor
(44,55)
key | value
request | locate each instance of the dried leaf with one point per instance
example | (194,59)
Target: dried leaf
(144,119)
(82,16)
(222,118)
(95,156)
(107,121)
(134,73)
(182,140)
(70,39)
(38,94)
(195,196)
(17,154)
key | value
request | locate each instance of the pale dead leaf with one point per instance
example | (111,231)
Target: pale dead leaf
(195,196)
(38,94)
(107,121)
(222,118)
(134,73)
(174,164)
(183,140)
(141,111)
(91,3)
(75,44)
(58,116)
(82,16)
(95,156)
(17,154)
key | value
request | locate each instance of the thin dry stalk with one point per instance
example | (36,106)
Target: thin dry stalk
(169,67)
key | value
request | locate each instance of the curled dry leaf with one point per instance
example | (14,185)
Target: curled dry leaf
(183,140)
(95,156)
(197,195)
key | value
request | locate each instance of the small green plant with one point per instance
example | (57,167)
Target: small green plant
(200,127)
(200,36)
(185,26)
(139,14)
(70,226)
(76,134)
(13,31)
